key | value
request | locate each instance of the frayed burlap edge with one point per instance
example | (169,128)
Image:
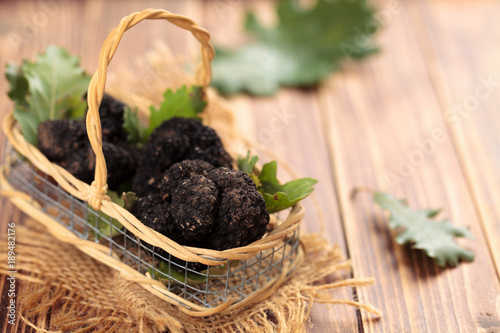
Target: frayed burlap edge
(83,295)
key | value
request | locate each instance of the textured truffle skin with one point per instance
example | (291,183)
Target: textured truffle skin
(120,164)
(65,142)
(177,173)
(217,208)
(203,143)
(207,207)
(173,141)
(242,217)
(207,146)
(174,127)
(194,207)
(229,178)
(111,113)
(57,138)
(81,163)
(154,160)
(154,212)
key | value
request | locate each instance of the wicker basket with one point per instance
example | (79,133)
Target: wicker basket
(51,195)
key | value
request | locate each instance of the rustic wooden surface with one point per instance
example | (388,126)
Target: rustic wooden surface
(417,119)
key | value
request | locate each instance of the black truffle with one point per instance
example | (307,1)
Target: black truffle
(65,142)
(179,172)
(57,138)
(176,140)
(111,113)
(242,216)
(154,160)
(155,213)
(216,208)
(194,207)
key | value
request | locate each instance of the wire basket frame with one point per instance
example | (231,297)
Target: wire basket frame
(213,286)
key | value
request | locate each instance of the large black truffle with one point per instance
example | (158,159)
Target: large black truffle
(242,215)
(216,208)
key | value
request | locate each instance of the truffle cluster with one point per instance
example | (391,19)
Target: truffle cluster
(183,175)
(176,140)
(65,142)
(204,206)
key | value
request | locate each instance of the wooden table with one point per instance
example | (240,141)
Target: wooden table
(420,119)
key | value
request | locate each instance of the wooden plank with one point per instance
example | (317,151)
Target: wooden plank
(381,117)
(462,59)
(299,143)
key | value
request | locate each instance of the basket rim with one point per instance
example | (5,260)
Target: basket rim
(81,190)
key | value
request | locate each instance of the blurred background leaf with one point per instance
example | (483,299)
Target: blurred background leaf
(305,46)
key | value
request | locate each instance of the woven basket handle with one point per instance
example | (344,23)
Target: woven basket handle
(98,82)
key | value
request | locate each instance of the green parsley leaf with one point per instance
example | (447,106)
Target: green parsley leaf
(304,47)
(132,125)
(52,87)
(435,238)
(169,274)
(277,197)
(108,226)
(246,164)
(176,277)
(185,103)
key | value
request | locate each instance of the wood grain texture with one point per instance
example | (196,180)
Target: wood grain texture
(382,123)
(470,96)
(380,117)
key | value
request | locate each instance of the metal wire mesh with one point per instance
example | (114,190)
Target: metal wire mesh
(209,286)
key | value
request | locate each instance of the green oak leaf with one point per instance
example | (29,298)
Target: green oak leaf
(129,199)
(435,238)
(18,83)
(184,102)
(306,45)
(28,123)
(107,226)
(52,87)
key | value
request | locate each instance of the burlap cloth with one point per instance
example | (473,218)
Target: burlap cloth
(80,294)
